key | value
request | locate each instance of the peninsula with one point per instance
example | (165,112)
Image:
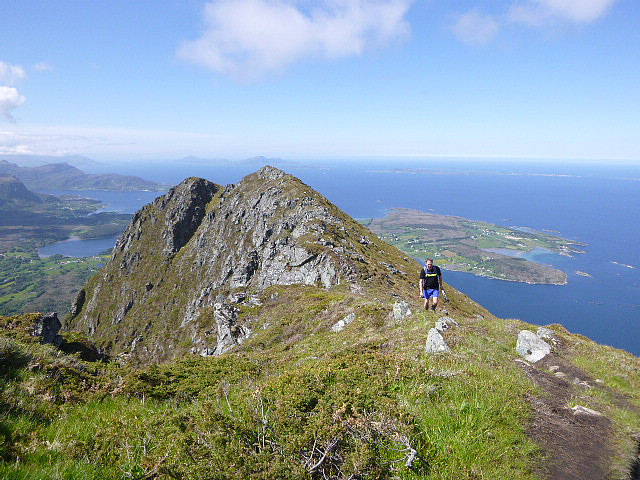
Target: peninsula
(476,247)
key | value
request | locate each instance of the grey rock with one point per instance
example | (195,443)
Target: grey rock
(78,303)
(230,333)
(435,343)
(339,326)
(445,323)
(531,347)
(545,333)
(582,410)
(47,328)
(401,310)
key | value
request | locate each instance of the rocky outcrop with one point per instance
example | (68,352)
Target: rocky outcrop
(201,242)
(47,328)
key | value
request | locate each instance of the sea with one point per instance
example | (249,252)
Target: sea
(593,204)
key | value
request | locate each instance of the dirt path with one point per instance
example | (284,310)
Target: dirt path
(576,444)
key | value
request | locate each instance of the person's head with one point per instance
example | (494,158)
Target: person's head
(429,263)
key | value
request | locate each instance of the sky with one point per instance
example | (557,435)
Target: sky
(163,79)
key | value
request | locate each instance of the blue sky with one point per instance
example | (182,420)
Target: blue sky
(159,80)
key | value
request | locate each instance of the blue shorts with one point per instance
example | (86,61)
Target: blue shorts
(431,292)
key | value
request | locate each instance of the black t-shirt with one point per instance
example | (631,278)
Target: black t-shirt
(432,277)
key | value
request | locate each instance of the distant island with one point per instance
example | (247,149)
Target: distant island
(480,248)
(62,176)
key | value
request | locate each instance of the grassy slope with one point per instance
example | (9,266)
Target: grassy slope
(300,401)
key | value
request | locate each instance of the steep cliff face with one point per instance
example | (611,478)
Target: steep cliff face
(190,256)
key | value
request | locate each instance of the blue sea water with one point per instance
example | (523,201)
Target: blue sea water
(74,247)
(592,204)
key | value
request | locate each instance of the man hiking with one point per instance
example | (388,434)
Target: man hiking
(430,284)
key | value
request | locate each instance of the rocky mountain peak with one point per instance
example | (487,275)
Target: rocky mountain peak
(189,255)
(270,173)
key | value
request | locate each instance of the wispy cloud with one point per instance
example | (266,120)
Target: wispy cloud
(43,67)
(542,12)
(248,38)
(11,74)
(10,99)
(475,28)
(106,142)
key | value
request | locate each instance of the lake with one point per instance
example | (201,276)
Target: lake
(593,204)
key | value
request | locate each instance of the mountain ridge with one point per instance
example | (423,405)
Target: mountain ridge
(201,241)
(62,176)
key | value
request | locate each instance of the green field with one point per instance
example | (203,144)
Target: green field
(29,283)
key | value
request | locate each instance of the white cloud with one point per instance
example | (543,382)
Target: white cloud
(11,74)
(247,38)
(541,12)
(475,28)
(10,98)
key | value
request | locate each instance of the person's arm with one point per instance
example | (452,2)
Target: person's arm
(440,278)
(422,280)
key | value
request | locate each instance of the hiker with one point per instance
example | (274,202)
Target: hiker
(430,284)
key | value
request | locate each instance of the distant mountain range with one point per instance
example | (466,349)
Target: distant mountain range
(26,160)
(62,176)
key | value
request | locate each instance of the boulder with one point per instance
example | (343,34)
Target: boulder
(401,310)
(531,347)
(338,327)
(435,343)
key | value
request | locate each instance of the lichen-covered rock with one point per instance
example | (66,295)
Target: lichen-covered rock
(544,333)
(201,241)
